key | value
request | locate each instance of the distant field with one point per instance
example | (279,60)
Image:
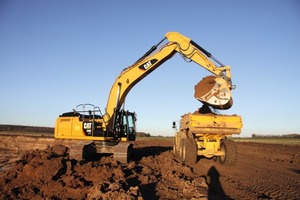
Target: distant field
(155,138)
(27,129)
(33,134)
(285,141)
(49,132)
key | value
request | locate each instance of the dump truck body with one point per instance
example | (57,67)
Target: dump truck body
(200,124)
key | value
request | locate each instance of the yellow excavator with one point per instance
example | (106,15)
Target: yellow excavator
(111,132)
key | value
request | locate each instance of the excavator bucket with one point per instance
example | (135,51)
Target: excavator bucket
(215,92)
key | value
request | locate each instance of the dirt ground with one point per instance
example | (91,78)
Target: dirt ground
(262,171)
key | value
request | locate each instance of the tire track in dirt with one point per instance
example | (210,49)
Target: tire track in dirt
(259,174)
(269,181)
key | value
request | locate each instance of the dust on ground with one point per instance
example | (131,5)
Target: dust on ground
(262,171)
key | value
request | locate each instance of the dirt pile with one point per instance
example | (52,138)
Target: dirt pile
(204,86)
(262,171)
(152,174)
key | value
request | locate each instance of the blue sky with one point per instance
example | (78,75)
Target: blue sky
(55,55)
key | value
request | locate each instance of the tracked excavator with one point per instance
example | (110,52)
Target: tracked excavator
(112,131)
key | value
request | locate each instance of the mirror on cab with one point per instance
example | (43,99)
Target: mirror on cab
(174,125)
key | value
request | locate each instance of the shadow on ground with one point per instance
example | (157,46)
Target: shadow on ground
(139,153)
(215,189)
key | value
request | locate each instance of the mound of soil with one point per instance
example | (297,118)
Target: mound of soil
(49,174)
(262,171)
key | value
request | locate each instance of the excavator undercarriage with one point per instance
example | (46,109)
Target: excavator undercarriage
(88,150)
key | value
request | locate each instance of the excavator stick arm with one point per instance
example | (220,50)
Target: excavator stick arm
(191,50)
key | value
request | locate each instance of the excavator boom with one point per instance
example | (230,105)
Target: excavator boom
(218,94)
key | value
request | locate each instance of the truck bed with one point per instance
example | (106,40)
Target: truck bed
(211,123)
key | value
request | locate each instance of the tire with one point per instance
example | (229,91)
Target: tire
(189,153)
(174,150)
(175,147)
(230,153)
(181,146)
(89,151)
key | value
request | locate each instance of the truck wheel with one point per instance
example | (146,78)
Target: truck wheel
(229,149)
(189,153)
(175,152)
(181,146)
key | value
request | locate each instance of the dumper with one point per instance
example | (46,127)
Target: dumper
(207,134)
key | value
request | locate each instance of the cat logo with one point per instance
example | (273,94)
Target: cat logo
(87,125)
(147,64)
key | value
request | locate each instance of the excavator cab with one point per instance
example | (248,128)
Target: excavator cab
(125,127)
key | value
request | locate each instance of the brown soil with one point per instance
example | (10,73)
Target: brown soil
(204,86)
(262,172)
